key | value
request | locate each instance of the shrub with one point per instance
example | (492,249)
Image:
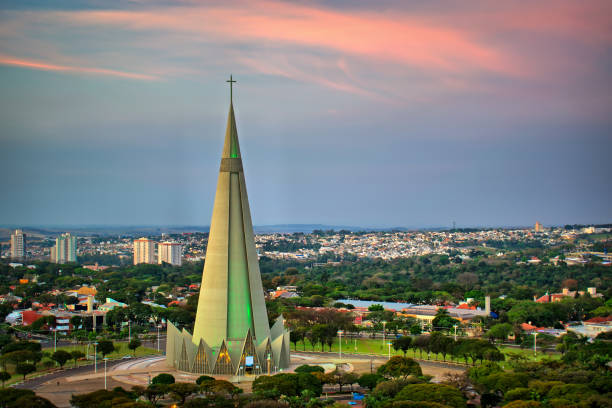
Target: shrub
(443,394)
(520,393)
(305,368)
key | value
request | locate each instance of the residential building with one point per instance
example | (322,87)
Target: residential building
(169,252)
(538,227)
(65,249)
(18,244)
(144,251)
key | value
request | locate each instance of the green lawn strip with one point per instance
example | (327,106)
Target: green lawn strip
(122,351)
(375,346)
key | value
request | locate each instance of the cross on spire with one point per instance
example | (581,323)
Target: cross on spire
(231,82)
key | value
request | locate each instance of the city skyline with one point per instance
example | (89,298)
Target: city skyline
(485,114)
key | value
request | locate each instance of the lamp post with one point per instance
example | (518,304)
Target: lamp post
(129,332)
(95,357)
(340,342)
(55,339)
(455,326)
(389,350)
(535,341)
(105,358)
(158,326)
(384,329)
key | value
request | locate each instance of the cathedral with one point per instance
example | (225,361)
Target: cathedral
(231,335)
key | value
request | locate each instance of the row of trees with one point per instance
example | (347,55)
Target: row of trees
(476,350)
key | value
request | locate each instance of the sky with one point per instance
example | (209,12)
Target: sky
(377,114)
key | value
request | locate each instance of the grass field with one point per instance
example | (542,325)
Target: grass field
(377,347)
(44,366)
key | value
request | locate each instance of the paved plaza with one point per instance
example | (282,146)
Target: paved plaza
(59,387)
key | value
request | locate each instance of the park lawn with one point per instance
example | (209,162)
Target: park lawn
(367,346)
(375,346)
(528,353)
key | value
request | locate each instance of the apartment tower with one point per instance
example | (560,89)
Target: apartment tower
(169,252)
(18,244)
(144,251)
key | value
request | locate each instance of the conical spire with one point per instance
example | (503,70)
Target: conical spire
(231,148)
(231,296)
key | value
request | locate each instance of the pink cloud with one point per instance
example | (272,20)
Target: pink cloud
(393,38)
(12,61)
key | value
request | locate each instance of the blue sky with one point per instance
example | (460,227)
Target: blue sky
(396,114)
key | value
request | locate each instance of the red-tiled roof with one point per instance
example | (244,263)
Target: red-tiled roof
(599,319)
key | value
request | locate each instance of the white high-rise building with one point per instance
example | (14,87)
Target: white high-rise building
(18,244)
(144,251)
(65,249)
(169,252)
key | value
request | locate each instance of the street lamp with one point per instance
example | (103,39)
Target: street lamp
(535,340)
(384,323)
(129,332)
(95,357)
(340,342)
(158,326)
(105,359)
(455,326)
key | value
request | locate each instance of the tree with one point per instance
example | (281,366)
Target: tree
(369,380)
(4,376)
(33,401)
(296,335)
(61,356)
(180,391)
(402,343)
(376,308)
(76,322)
(440,393)
(154,392)
(343,378)
(105,347)
(76,354)
(400,367)
(203,378)
(102,398)
(21,356)
(134,344)
(25,369)
(163,378)
(443,320)
(467,279)
(499,331)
